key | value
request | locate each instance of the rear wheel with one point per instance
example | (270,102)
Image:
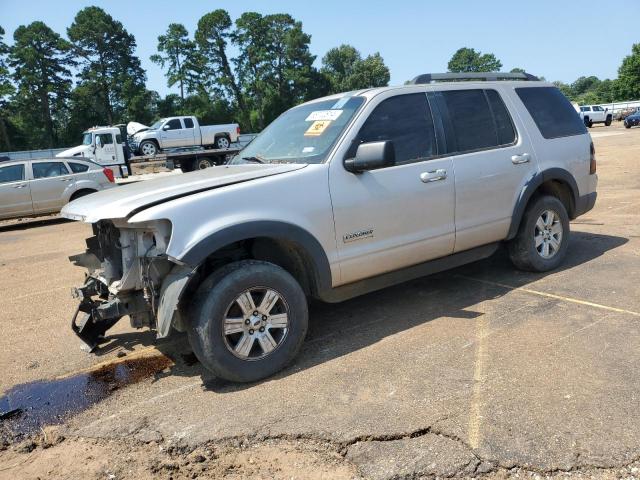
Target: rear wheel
(541,242)
(222,142)
(607,122)
(81,193)
(249,320)
(205,163)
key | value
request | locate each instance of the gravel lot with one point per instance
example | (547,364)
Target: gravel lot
(480,371)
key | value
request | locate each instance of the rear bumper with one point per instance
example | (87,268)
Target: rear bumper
(585,203)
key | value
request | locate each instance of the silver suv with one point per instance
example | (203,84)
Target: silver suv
(339,196)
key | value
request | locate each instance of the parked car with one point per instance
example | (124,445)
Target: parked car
(595,114)
(38,187)
(174,132)
(632,120)
(338,197)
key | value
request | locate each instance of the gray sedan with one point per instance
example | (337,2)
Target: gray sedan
(37,187)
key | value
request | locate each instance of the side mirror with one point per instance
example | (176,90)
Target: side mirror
(165,127)
(98,142)
(371,156)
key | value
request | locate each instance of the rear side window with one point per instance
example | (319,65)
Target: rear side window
(78,167)
(551,111)
(406,121)
(49,169)
(11,173)
(188,123)
(504,126)
(479,120)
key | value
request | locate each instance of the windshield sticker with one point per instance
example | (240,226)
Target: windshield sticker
(308,149)
(317,128)
(329,115)
(341,103)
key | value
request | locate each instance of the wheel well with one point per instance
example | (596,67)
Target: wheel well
(287,254)
(560,190)
(81,192)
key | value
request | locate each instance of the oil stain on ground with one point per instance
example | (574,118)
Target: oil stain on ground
(26,408)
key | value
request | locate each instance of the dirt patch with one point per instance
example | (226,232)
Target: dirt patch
(88,458)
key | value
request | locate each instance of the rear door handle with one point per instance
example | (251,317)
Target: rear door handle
(22,185)
(65,179)
(518,159)
(433,175)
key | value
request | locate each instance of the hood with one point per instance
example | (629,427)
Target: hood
(126,200)
(77,151)
(135,127)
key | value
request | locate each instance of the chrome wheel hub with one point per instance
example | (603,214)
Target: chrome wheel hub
(548,234)
(256,323)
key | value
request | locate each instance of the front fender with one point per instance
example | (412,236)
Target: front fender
(266,229)
(171,292)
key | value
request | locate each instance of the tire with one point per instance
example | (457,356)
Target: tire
(222,142)
(148,148)
(81,193)
(203,163)
(607,122)
(241,355)
(525,250)
(627,125)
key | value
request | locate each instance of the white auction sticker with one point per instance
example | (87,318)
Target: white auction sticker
(323,115)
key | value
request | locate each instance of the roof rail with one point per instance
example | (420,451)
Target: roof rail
(482,76)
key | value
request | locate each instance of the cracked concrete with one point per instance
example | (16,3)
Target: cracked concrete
(483,371)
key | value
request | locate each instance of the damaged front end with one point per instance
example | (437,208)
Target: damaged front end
(126,266)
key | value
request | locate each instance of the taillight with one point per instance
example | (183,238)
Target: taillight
(238,130)
(109,174)
(592,164)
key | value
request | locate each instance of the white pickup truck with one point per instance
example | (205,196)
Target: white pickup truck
(591,114)
(176,132)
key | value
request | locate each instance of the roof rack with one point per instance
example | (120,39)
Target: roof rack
(482,76)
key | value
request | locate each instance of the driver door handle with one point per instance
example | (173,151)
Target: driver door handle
(523,158)
(433,175)
(22,185)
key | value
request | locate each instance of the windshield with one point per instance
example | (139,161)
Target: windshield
(303,134)
(156,125)
(87,138)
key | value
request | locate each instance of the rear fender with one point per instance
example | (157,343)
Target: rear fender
(532,186)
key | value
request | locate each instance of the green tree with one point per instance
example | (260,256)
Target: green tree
(41,62)
(346,70)
(628,84)
(176,53)
(212,38)
(110,72)
(6,89)
(517,70)
(274,65)
(470,60)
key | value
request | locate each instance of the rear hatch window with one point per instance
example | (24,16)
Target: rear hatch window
(551,111)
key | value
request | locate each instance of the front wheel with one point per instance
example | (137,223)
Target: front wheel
(541,242)
(148,148)
(249,320)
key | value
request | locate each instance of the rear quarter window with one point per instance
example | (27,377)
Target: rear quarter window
(552,113)
(78,167)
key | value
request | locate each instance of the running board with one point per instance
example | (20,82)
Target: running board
(361,287)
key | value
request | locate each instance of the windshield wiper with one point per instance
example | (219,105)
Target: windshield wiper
(253,159)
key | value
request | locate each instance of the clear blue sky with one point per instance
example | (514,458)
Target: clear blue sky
(558,39)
